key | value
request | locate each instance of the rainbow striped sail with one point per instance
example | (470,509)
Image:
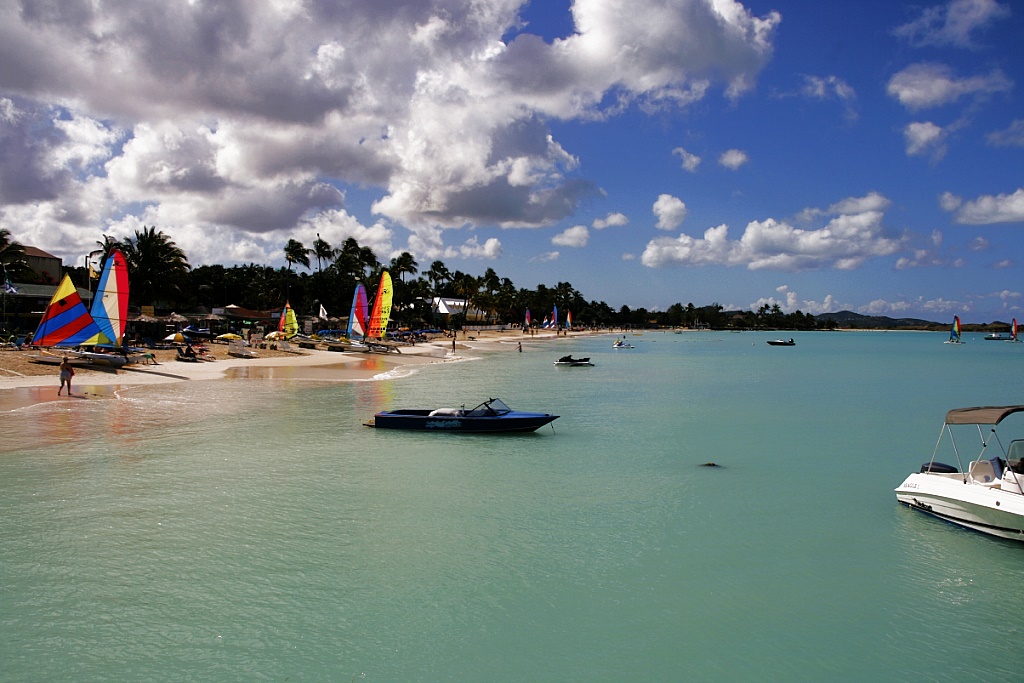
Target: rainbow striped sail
(1013,331)
(381,308)
(954,333)
(357,317)
(568,320)
(66,322)
(110,306)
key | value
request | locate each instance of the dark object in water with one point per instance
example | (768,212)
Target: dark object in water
(710,464)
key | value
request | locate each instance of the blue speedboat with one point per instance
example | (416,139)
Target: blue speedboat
(491,416)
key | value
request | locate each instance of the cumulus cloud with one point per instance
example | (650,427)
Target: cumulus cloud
(576,236)
(671,212)
(732,159)
(245,119)
(920,86)
(611,220)
(854,234)
(989,209)
(690,161)
(952,23)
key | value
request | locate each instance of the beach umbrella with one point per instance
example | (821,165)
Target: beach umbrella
(274,336)
(177,337)
(230,336)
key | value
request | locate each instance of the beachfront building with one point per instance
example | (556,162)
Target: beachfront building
(445,307)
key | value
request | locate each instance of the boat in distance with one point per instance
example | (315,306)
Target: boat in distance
(491,416)
(987,495)
(781,342)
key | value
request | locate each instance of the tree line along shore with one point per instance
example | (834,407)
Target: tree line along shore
(323,277)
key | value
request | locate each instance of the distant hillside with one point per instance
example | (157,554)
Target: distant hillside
(851,319)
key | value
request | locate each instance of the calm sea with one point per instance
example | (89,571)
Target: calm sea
(254,530)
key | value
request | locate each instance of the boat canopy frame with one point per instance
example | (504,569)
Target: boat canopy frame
(978,416)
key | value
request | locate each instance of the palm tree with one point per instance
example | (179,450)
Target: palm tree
(156,266)
(322,251)
(404,263)
(12,255)
(295,252)
(438,275)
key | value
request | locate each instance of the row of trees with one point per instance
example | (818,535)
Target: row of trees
(160,275)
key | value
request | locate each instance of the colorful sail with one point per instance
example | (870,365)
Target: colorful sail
(954,334)
(554,317)
(527,322)
(357,317)
(568,320)
(288,324)
(66,322)
(381,308)
(110,306)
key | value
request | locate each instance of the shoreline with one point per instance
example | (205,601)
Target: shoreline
(19,390)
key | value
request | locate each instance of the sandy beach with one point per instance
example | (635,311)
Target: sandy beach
(24,382)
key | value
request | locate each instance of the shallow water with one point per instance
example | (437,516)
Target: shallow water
(253,529)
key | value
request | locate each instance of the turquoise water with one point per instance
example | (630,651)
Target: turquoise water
(253,529)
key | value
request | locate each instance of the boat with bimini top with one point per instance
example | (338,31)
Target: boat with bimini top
(988,494)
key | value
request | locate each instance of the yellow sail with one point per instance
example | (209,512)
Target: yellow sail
(381,309)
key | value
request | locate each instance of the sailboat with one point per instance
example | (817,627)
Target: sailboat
(357,317)
(954,332)
(288,325)
(67,324)
(1013,332)
(110,305)
(1010,336)
(381,312)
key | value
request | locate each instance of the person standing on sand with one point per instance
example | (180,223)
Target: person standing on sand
(66,373)
(520,347)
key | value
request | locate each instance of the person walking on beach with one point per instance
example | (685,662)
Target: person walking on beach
(520,347)
(66,373)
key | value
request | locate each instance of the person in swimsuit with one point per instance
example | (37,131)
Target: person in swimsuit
(66,373)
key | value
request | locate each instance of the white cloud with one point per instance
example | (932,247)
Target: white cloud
(949,201)
(249,118)
(925,138)
(991,209)
(951,23)
(546,257)
(690,161)
(929,85)
(611,220)
(844,243)
(979,243)
(826,88)
(1011,137)
(576,236)
(1002,265)
(733,159)
(629,257)
(671,212)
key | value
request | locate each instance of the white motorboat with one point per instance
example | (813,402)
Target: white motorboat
(987,495)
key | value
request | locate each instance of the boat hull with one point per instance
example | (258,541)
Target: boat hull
(985,508)
(421,420)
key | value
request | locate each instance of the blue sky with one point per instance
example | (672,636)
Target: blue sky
(820,155)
